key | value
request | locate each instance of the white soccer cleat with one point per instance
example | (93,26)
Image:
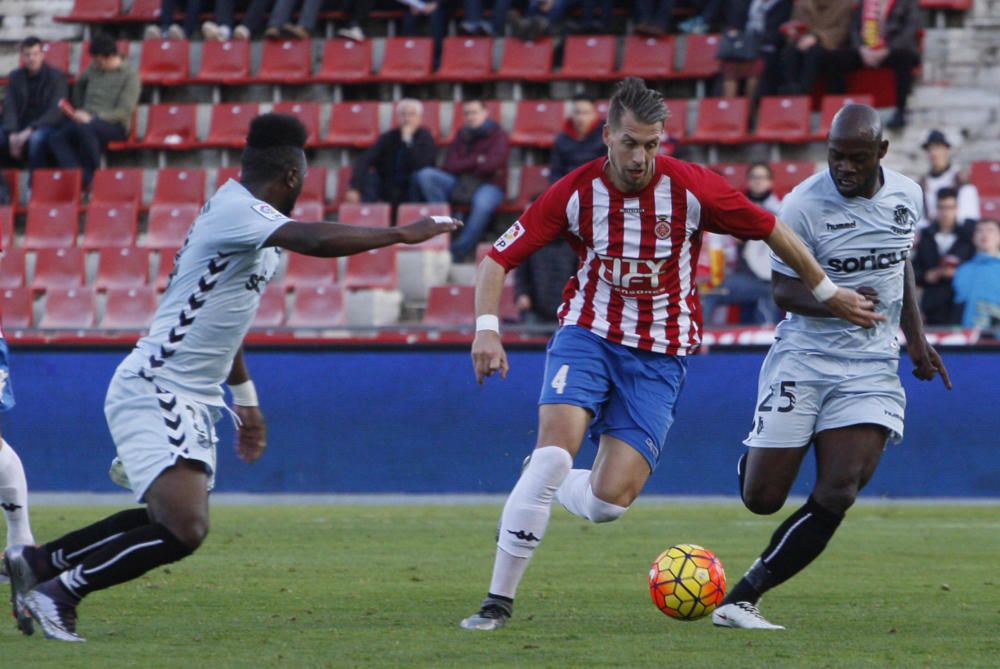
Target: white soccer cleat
(492,615)
(742,615)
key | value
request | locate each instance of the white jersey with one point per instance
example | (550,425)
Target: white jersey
(212,296)
(859,242)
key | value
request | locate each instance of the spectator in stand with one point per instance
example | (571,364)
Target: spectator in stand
(31,106)
(220,27)
(539,282)
(977,282)
(751,44)
(748,283)
(941,248)
(652,17)
(882,34)
(817,28)
(384,173)
(474,173)
(944,173)
(545,17)
(707,13)
(104,99)
(280,23)
(581,139)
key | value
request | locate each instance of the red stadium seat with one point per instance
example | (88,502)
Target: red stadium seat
(285,61)
(989,207)
(58,268)
(110,224)
(376,214)
(947,5)
(307,211)
(129,308)
(51,226)
(343,185)
(352,124)
(92,11)
(126,267)
(224,62)
(314,186)
(537,122)
(345,62)
(6,227)
(676,124)
(230,123)
(117,185)
(12,177)
(69,308)
(123,48)
(164,62)
(307,112)
(534,180)
(271,311)
(648,57)
(784,119)
(372,269)
(985,176)
(414,211)
(168,224)
(12,268)
(721,121)
(16,307)
(735,173)
(588,57)
(830,105)
(526,61)
(57,54)
(56,186)
(224,174)
(318,307)
(407,60)
(167,255)
(180,184)
(171,126)
(431,118)
(145,11)
(309,271)
(466,59)
(493,110)
(788,174)
(699,57)
(450,305)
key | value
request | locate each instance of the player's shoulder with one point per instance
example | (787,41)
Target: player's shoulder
(808,194)
(581,178)
(903,185)
(690,175)
(232,199)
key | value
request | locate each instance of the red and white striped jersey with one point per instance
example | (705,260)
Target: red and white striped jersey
(635,284)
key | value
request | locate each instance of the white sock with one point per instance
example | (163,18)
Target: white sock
(14,496)
(526,515)
(579,499)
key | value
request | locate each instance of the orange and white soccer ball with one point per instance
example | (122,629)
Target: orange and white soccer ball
(687,582)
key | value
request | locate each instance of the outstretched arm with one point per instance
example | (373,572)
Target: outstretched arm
(926,361)
(330,240)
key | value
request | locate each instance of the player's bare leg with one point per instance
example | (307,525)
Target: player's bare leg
(606,492)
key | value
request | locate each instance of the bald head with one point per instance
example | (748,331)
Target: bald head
(857,123)
(855,149)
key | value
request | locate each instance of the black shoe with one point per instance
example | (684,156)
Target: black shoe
(52,605)
(19,568)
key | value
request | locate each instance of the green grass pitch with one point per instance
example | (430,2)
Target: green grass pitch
(385,586)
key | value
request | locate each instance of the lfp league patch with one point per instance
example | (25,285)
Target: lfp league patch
(513,233)
(267,211)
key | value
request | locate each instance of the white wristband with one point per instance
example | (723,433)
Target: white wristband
(441,219)
(824,290)
(244,394)
(488,322)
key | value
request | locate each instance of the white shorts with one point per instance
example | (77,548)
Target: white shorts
(801,394)
(152,427)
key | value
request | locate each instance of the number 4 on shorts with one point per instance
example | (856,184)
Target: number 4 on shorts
(559,380)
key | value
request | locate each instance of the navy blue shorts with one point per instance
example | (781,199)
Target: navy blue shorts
(632,393)
(6,390)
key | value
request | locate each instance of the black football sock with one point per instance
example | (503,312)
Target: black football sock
(797,542)
(129,556)
(70,549)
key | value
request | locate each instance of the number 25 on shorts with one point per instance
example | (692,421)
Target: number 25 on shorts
(559,380)
(785,390)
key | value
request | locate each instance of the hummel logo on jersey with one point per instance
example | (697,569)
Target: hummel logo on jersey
(873,260)
(850,225)
(633,278)
(524,536)
(10,507)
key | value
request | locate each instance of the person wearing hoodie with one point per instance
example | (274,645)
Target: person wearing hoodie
(474,173)
(977,282)
(581,139)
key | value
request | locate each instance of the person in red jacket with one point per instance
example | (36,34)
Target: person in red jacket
(474,173)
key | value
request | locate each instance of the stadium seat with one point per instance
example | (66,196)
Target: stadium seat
(271,311)
(285,62)
(537,122)
(314,186)
(180,184)
(450,305)
(411,212)
(735,173)
(648,57)
(526,61)
(307,112)
(533,180)
(16,307)
(830,105)
(699,57)
(164,62)
(784,119)
(989,207)
(126,267)
(110,224)
(588,57)
(117,185)
(493,109)
(721,121)
(145,11)
(124,46)
(985,176)
(168,224)
(166,266)
(372,269)
(13,179)
(230,123)
(56,186)
(129,308)
(57,268)
(57,54)
(345,62)
(676,124)
(51,226)
(788,174)
(92,11)
(466,58)
(318,307)
(431,118)
(948,5)
(309,271)
(308,211)
(6,227)
(407,60)
(171,126)
(224,62)
(352,124)
(12,268)
(224,174)
(69,308)
(376,214)
(343,185)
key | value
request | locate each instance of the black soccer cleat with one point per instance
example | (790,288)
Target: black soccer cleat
(17,567)
(55,610)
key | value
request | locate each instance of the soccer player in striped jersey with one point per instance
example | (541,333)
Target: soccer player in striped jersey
(630,317)
(166,396)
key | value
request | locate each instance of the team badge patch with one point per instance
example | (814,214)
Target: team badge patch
(662,229)
(267,211)
(513,233)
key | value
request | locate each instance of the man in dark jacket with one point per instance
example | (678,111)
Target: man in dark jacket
(581,139)
(474,173)
(941,248)
(31,106)
(384,173)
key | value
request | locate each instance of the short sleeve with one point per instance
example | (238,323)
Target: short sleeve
(725,210)
(541,223)
(794,216)
(245,224)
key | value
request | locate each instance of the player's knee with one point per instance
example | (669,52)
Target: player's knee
(836,498)
(599,511)
(764,501)
(190,530)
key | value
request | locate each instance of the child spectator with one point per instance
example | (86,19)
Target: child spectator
(977,282)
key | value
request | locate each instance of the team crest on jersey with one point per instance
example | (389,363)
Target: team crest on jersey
(513,233)
(662,229)
(903,219)
(267,211)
